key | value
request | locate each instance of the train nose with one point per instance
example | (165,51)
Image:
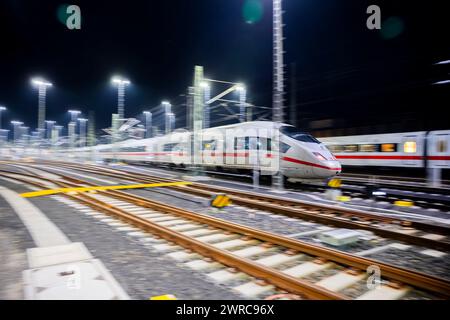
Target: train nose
(328,169)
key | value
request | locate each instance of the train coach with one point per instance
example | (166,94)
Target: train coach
(423,150)
(243,146)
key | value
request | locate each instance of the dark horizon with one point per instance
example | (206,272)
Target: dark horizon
(343,70)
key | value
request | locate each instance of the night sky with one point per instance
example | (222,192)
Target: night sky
(343,70)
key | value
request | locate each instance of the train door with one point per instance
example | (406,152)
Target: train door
(411,152)
(440,150)
(241,149)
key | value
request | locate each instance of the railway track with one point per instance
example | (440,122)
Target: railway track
(261,263)
(413,232)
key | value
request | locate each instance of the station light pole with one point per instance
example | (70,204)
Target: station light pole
(171,121)
(206,109)
(74,115)
(278,87)
(167,111)
(148,123)
(3,135)
(16,130)
(83,131)
(242,102)
(72,127)
(121,83)
(42,85)
(50,125)
(2,108)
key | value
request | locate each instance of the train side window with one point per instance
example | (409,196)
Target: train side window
(284,147)
(389,147)
(410,147)
(209,145)
(351,148)
(268,144)
(247,143)
(169,146)
(442,146)
(239,143)
(368,148)
(336,148)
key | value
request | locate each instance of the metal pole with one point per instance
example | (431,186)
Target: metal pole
(190,108)
(206,108)
(167,111)
(148,124)
(121,99)
(171,117)
(115,128)
(42,88)
(278,85)
(83,132)
(71,133)
(197,118)
(242,104)
(50,125)
(1,109)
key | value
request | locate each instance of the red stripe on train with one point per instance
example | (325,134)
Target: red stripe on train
(309,164)
(380,157)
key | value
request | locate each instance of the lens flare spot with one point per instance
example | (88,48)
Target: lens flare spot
(392,27)
(252,11)
(61,13)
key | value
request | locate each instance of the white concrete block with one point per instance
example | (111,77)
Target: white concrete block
(251,289)
(223,276)
(85,280)
(217,237)
(306,268)
(46,256)
(384,293)
(277,259)
(340,281)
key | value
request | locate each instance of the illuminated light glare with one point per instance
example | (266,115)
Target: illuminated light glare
(410,147)
(204,85)
(40,82)
(392,27)
(252,11)
(319,156)
(379,193)
(442,82)
(119,80)
(240,87)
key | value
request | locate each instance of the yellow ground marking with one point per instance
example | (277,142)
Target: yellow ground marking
(101,188)
(404,203)
(164,297)
(335,183)
(344,198)
(221,201)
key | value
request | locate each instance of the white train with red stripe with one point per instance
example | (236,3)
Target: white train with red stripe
(409,150)
(242,146)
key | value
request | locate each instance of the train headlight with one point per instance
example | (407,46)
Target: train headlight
(319,156)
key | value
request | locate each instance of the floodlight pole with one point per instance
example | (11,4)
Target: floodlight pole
(278,86)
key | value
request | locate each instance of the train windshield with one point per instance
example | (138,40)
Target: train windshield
(293,133)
